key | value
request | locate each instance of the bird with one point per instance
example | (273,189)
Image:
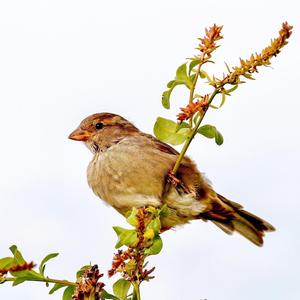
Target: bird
(131,169)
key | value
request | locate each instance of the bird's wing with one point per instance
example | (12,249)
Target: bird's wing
(161,146)
(200,201)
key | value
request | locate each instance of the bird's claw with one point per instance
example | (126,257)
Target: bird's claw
(173,179)
(176,181)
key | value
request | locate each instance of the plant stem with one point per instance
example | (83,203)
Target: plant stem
(49,280)
(137,292)
(193,133)
(192,90)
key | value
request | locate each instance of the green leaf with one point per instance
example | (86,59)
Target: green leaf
(193,64)
(208,131)
(81,271)
(156,247)
(130,266)
(181,74)
(18,258)
(152,210)
(68,293)
(2,280)
(26,275)
(43,262)
(223,100)
(170,84)
(121,288)
(125,236)
(219,138)
(204,75)
(192,77)
(19,280)
(29,274)
(196,118)
(155,225)
(227,67)
(211,132)
(56,287)
(164,211)
(182,77)
(165,100)
(167,93)
(223,95)
(106,295)
(6,262)
(213,106)
(182,125)
(232,89)
(132,219)
(149,234)
(248,76)
(166,131)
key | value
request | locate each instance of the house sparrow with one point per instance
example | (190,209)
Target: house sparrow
(131,168)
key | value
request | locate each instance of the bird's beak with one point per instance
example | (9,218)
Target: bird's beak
(80,135)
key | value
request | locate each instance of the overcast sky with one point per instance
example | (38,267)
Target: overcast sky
(63,60)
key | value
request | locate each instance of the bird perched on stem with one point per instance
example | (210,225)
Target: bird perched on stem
(132,169)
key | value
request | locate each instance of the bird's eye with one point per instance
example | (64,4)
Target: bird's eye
(99,126)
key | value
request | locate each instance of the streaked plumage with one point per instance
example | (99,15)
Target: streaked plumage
(130,169)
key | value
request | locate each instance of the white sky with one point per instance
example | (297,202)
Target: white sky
(63,60)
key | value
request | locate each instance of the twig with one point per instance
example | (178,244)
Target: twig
(47,280)
(137,293)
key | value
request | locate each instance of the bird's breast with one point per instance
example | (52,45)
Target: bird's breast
(117,176)
(104,177)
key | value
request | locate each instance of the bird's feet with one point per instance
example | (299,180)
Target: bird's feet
(172,179)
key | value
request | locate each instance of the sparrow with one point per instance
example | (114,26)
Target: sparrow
(131,169)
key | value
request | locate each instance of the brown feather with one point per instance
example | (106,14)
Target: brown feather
(230,216)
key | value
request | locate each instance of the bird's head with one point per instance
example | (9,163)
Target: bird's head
(102,130)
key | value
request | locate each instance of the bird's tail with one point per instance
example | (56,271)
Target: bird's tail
(230,216)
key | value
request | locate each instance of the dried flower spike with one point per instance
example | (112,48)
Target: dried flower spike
(88,285)
(17,268)
(192,108)
(249,66)
(131,262)
(208,42)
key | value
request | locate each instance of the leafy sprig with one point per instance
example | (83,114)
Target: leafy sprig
(142,241)
(21,271)
(135,246)
(190,118)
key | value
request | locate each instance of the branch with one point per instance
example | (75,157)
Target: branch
(193,133)
(196,109)
(46,280)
